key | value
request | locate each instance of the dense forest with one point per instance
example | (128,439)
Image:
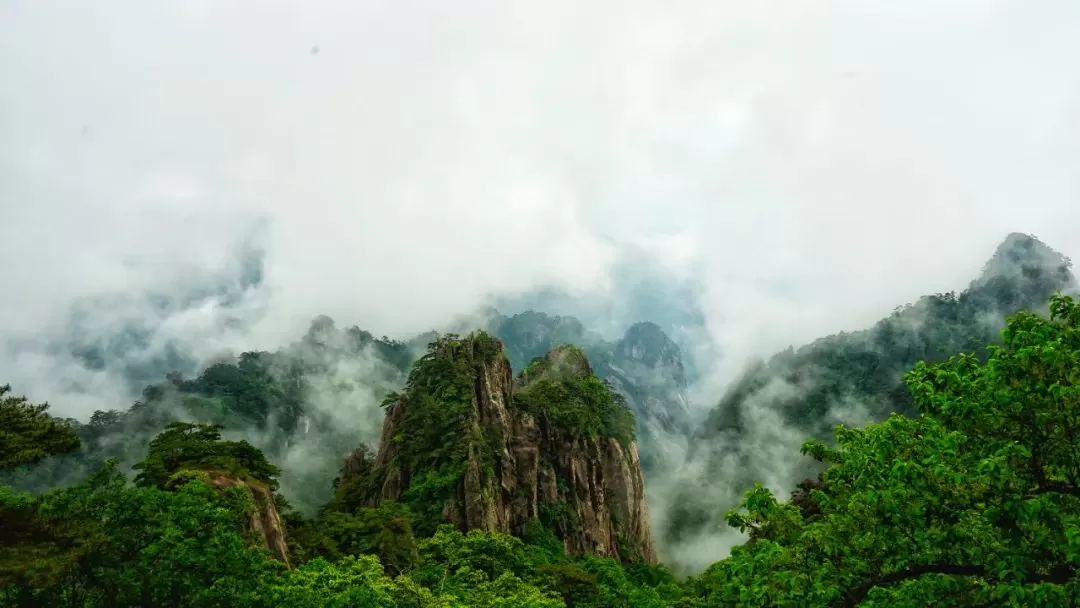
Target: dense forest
(233,488)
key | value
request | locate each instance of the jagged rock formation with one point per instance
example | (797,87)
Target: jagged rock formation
(265,521)
(646,366)
(469,445)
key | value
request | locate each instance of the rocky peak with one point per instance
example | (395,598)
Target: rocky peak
(647,345)
(563,363)
(647,367)
(464,444)
(1024,258)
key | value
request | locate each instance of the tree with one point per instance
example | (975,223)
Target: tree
(974,503)
(28,434)
(186,446)
(106,543)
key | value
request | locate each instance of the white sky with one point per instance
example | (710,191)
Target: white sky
(824,161)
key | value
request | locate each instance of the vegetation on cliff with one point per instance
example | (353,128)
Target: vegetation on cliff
(463,444)
(437,424)
(561,389)
(198,447)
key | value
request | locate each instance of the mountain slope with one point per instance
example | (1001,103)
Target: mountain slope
(854,377)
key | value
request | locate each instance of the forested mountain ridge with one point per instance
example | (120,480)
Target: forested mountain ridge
(304,405)
(858,376)
(868,365)
(312,401)
(975,502)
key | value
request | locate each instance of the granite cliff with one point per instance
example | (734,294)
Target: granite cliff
(550,451)
(264,521)
(644,365)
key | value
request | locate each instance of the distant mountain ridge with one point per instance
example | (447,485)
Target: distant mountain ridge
(853,377)
(310,402)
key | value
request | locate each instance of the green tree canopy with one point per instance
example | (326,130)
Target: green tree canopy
(186,446)
(28,434)
(105,543)
(974,503)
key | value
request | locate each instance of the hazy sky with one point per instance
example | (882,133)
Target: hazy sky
(824,161)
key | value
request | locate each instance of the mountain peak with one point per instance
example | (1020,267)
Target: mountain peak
(464,446)
(1025,257)
(562,363)
(646,344)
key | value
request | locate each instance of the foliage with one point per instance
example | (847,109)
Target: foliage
(561,389)
(384,532)
(346,583)
(436,422)
(105,543)
(808,387)
(185,446)
(976,502)
(28,434)
(480,569)
(558,516)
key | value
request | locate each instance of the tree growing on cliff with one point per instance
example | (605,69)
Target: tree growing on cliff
(186,446)
(974,503)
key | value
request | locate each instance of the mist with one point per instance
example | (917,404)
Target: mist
(217,174)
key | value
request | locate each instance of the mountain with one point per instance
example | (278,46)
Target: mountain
(310,402)
(638,286)
(852,378)
(644,365)
(304,405)
(467,444)
(139,336)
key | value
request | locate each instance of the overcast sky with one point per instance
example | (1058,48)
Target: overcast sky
(823,161)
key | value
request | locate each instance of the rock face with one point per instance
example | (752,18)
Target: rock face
(645,365)
(553,447)
(265,521)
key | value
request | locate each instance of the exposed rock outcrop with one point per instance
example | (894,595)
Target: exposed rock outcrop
(645,365)
(555,447)
(265,521)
